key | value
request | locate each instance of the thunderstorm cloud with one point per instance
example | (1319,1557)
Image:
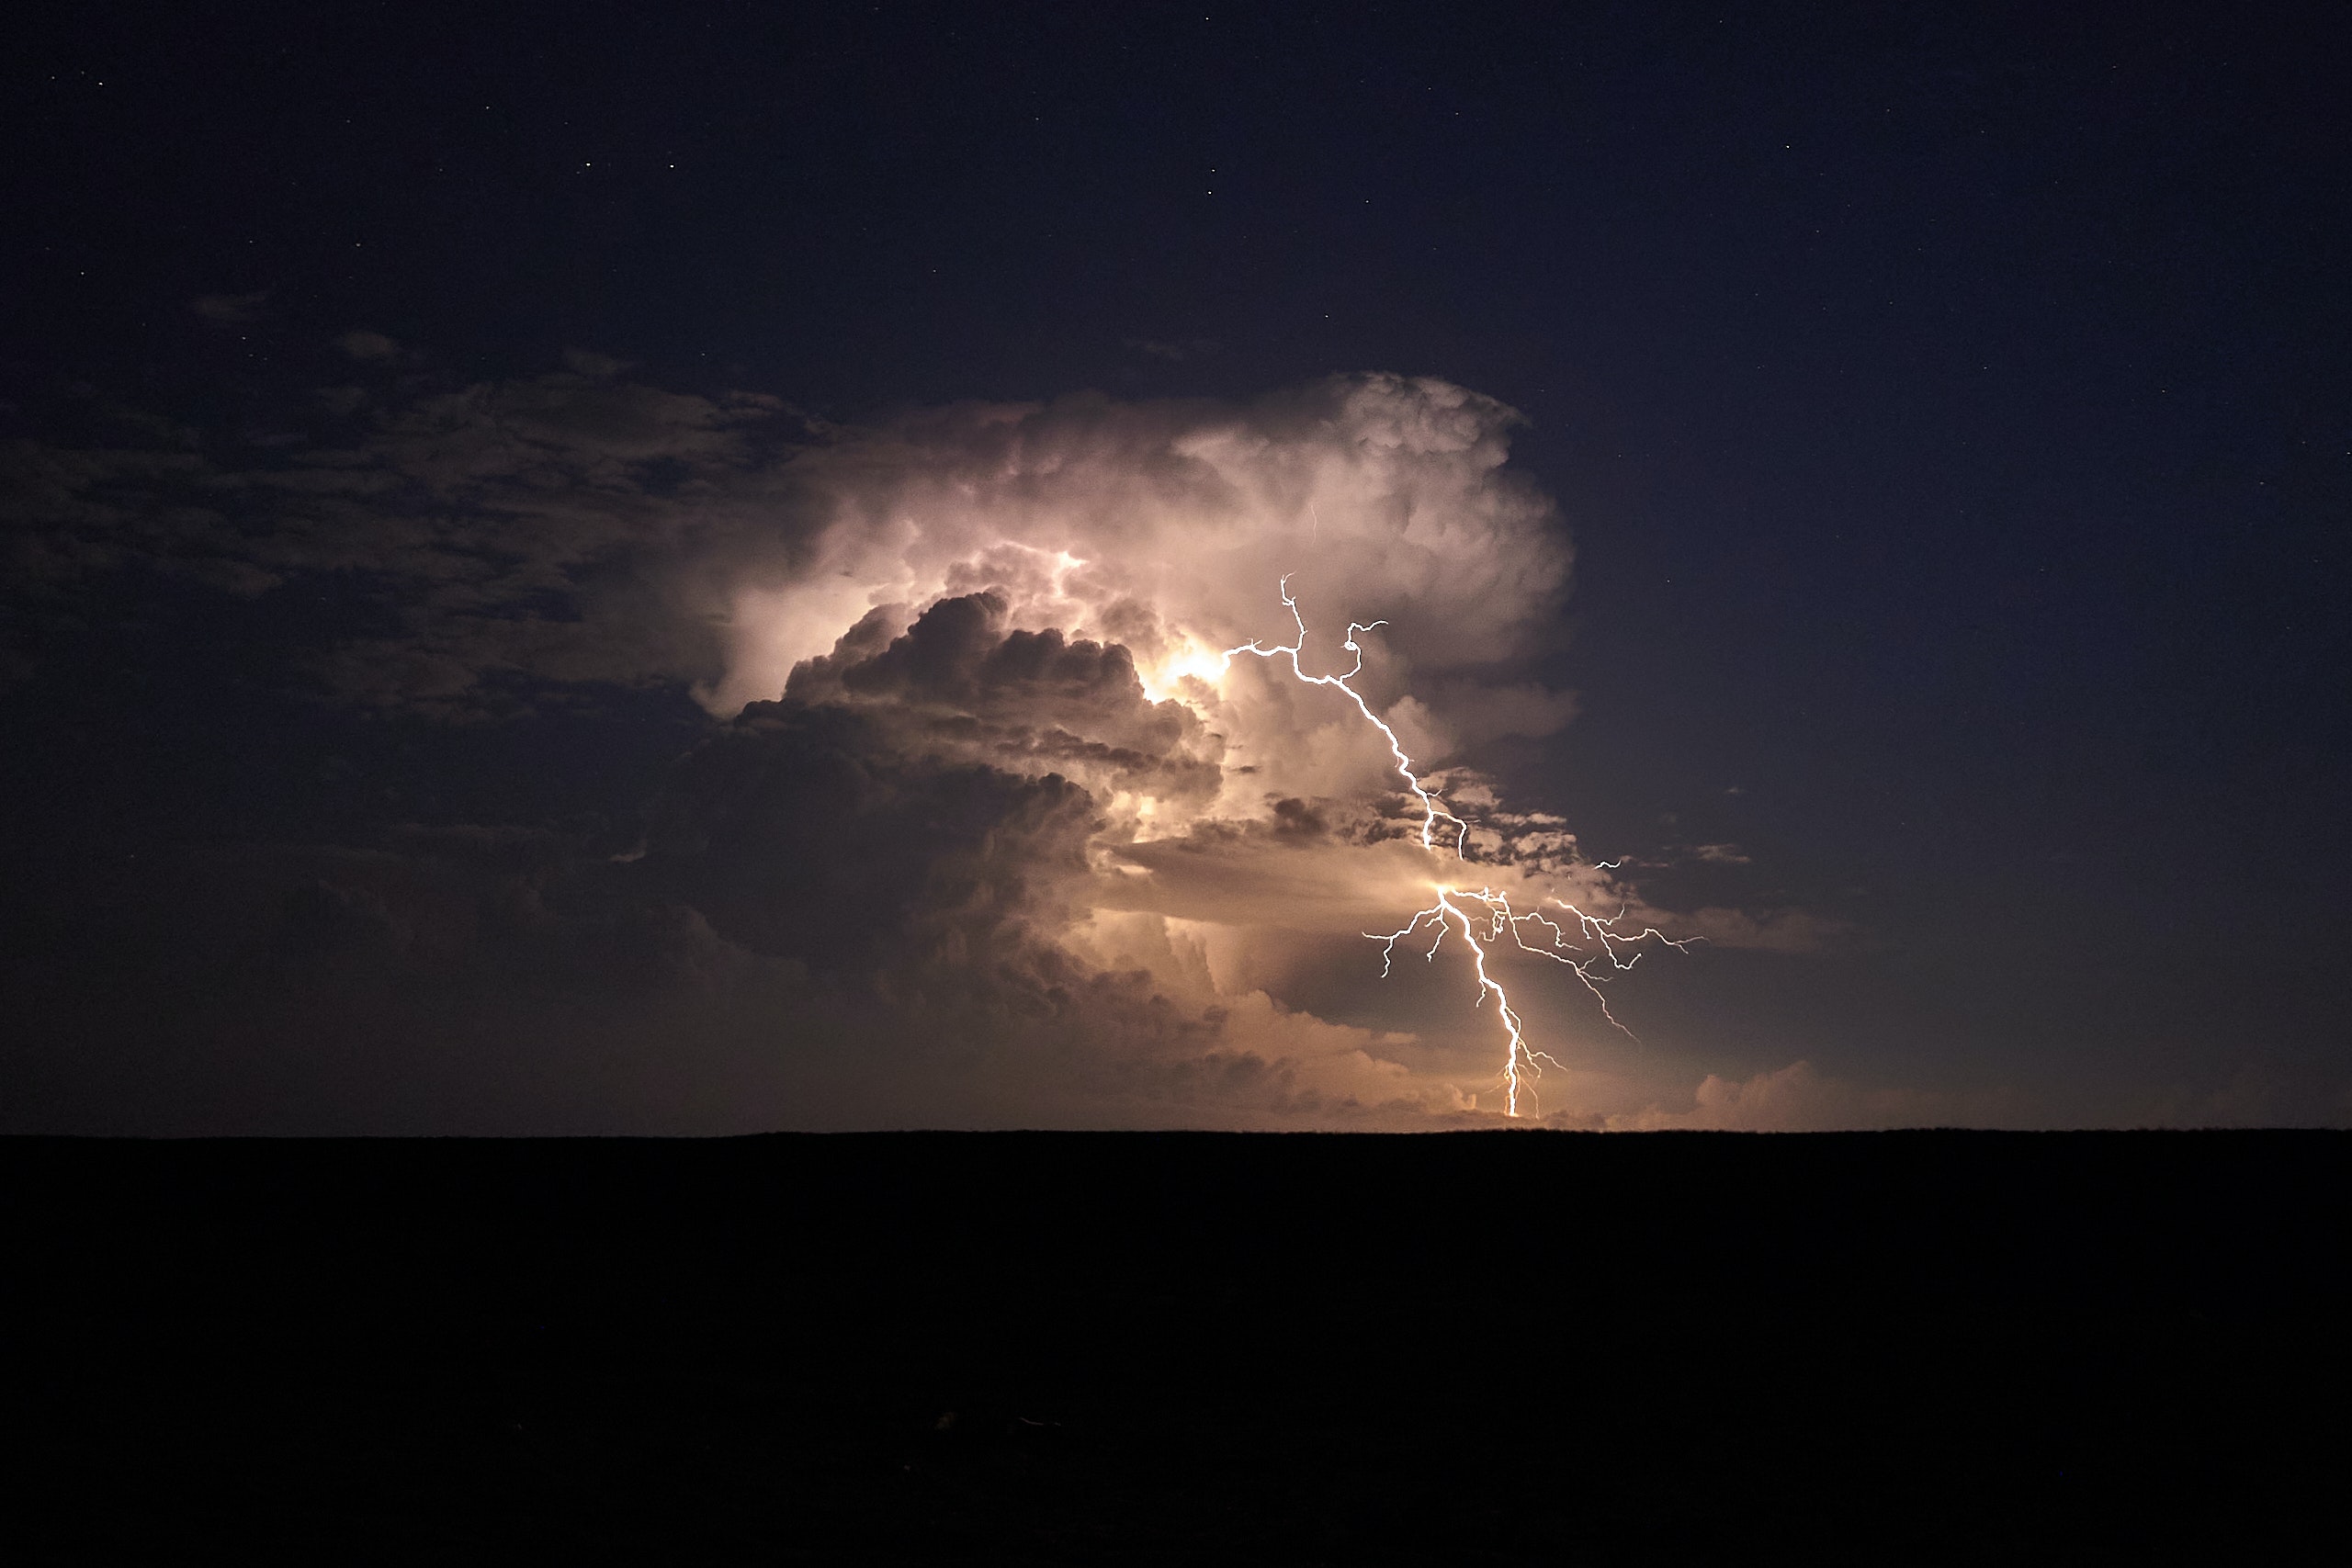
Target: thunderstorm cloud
(985,827)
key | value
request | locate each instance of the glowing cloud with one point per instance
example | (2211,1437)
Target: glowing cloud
(1521,1062)
(1068,591)
(1157,525)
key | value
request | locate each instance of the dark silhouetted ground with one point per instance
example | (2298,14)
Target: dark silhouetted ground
(1065,1348)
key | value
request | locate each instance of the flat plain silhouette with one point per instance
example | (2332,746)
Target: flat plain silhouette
(1076,1348)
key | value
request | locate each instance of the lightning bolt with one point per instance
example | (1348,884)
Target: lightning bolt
(1523,1063)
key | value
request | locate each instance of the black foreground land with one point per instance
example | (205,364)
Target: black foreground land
(1155,1348)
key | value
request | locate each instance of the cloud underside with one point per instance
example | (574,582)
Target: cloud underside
(987,828)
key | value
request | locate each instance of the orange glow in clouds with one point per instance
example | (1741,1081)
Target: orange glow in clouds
(1521,1062)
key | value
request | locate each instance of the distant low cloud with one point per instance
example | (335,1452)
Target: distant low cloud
(367,348)
(1800,1099)
(1175,352)
(230,309)
(597,367)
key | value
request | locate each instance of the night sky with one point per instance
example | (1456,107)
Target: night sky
(1919,563)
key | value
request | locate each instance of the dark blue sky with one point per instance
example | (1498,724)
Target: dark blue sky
(1951,415)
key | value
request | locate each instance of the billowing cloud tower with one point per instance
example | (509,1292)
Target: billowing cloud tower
(1010,634)
(1029,790)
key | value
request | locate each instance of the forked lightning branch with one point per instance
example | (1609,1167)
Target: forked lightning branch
(1464,909)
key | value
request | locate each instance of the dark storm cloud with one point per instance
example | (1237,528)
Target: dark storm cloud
(579,528)
(952,852)
(834,916)
(511,536)
(478,981)
(803,830)
(961,680)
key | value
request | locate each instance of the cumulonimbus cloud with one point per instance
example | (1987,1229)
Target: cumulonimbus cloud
(982,774)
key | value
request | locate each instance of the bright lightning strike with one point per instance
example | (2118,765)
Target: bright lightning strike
(1523,1063)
